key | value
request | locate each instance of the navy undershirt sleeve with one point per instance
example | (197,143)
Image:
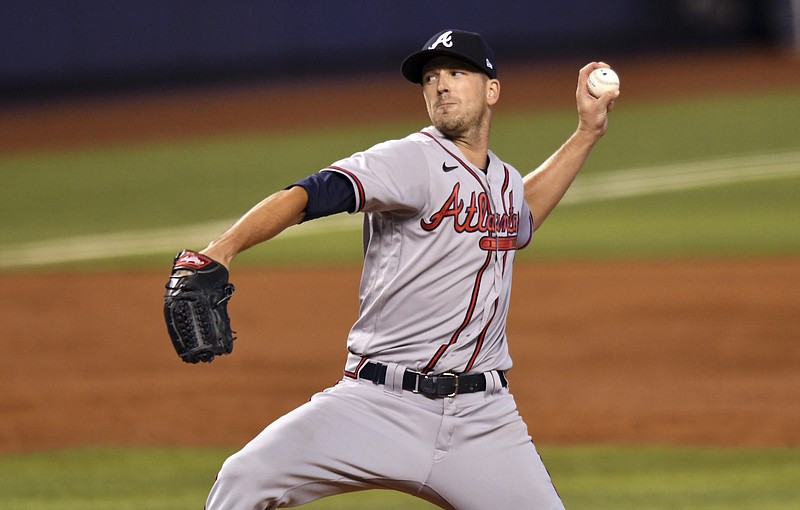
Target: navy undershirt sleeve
(328,193)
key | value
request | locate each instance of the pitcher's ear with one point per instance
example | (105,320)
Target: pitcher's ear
(493,91)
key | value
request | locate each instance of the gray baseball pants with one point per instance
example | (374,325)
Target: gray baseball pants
(467,452)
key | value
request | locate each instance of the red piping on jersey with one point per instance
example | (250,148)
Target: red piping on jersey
(361,194)
(460,161)
(470,310)
(500,244)
(511,199)
(354,373)
(530,232)
(510,244)
(503,189)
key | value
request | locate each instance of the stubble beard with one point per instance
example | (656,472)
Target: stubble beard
(461,126)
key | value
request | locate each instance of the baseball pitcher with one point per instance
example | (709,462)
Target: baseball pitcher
(424,405)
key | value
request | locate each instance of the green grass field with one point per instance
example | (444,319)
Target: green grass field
(146,187)
(587,477)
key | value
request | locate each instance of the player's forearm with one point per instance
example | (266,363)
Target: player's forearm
(545,186)
(266,220)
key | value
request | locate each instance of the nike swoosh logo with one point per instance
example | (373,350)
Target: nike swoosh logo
(448,168)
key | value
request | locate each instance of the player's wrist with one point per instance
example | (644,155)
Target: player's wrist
(216,252)
(586,136)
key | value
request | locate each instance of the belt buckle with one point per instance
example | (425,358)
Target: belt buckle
(455,377)
(429,385)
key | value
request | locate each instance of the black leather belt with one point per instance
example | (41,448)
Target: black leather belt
(433,386)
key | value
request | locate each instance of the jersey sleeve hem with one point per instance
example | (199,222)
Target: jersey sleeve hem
(358,187)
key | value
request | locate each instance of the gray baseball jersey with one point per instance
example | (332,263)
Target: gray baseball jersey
(439,240)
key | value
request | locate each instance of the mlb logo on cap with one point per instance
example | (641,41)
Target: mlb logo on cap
(467,46)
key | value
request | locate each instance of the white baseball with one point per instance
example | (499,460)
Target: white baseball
(602,80)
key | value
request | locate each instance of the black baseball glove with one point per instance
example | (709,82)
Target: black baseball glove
(196,308)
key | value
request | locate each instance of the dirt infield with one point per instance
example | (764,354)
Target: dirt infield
(692,352)
(669,352)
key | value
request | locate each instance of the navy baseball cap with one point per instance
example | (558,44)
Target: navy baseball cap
(467,46)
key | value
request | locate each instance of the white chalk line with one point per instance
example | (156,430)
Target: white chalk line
(145,242)
(679,177)
(588,188)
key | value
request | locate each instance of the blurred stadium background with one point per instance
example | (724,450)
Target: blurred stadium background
(51,47)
